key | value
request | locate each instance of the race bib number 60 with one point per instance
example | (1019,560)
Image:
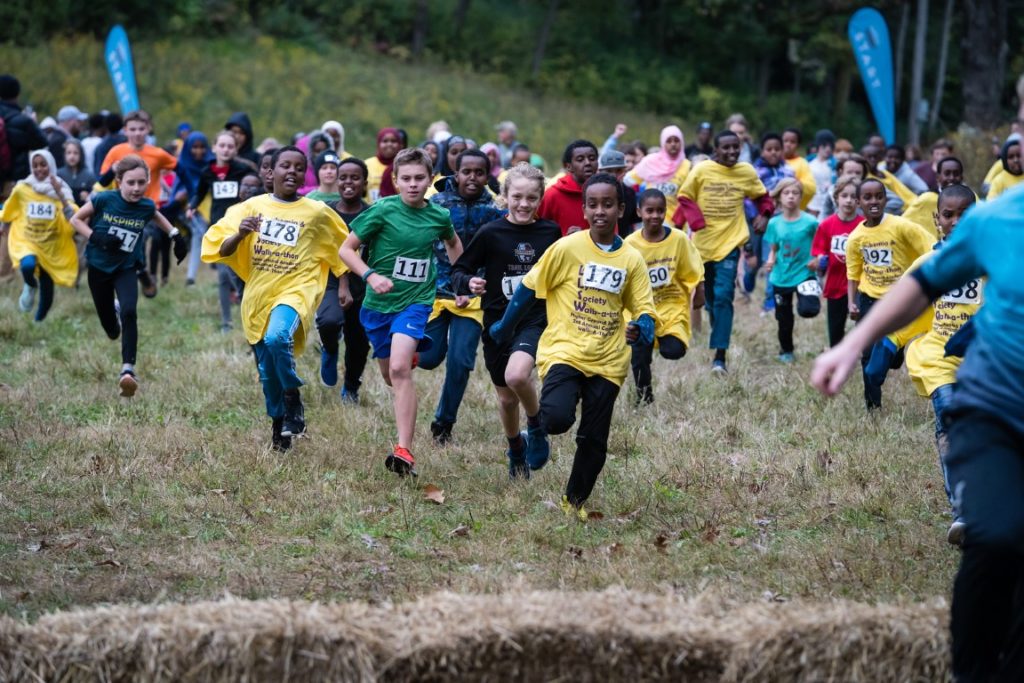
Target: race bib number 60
(877,257)
(279,232)
(127,237)
(659,276)
(509,284)
(41,211)
(411,269)
(605,278)
(968,294)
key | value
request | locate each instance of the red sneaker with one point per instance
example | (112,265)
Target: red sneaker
(401,462)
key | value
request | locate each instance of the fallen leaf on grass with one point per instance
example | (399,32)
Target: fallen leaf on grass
(219,492)
(37,546)
(594,515)
(738,542)
(551,505)
(661,542)
(575,552)
(109,563)
(433,494)
(460,530)
(628,516)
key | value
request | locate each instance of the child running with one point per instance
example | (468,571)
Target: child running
(222,179)
(505,250)
(677,276)
(789,264)
(338,315)
(113,223)
(587,280)
(562,202)
(40,237)
(829,248)
(400,232)
(948,171)
(388,144)
(456,320)
(283,246)
(878,252)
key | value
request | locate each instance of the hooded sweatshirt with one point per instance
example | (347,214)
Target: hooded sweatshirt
(563,204)
(246,151)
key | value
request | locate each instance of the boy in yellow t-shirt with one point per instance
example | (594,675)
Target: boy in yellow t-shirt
(1011,173)
(878,252)
(677,276)
(587,279)
(791,139)
(948,171)
(711,203)
(282,245)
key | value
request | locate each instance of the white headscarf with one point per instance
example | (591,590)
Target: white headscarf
(340,130)
(45,187)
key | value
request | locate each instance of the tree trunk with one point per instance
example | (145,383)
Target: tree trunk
(940,76)
(459,19)
(901,44)
(844,81)
(983,49)
(917,78)
(764,75)
(542,38)
(419,27)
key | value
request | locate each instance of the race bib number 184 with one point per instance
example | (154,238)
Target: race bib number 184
(41,211)
(606,278)
(279,232)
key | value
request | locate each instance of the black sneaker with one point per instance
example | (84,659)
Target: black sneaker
(644,396)
(442,432)
(280,442)
(294,418)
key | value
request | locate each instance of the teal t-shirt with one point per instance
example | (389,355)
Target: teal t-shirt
(400,246)
(793,248)
(325,197)
(112,214)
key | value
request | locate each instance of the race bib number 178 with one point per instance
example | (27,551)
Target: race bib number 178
(279,231)
(606,278)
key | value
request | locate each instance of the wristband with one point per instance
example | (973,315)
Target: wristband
(368,273)
(173,233)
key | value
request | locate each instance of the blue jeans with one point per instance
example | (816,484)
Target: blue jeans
(27,266)
(275,355)
(457,338)
(941,399)
(198,226)
(719,288)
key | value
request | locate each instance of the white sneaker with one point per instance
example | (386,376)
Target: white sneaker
(955,535)
(27,299)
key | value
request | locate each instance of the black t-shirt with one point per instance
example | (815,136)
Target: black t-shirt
(224,190)
(505,252)
(355,283)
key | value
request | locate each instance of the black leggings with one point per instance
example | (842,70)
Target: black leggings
(838,311)
(332,321)
(669,347)
(124,284)
(564,387)
(872,392)
(784,316)
(159,252)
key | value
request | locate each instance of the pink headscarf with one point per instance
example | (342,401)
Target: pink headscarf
(487,148)
(659,166)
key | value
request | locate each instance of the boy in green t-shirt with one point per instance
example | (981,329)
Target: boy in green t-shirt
(399,233)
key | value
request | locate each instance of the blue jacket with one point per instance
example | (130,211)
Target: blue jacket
(468,216)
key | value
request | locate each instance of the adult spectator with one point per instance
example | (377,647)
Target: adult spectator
(23,135)
(927,169)
(69,125)
(114,137)
(97,131)
(507,132)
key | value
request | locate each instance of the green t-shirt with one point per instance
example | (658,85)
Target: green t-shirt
(793,248)
(400,246)
(325,197)
(112,214)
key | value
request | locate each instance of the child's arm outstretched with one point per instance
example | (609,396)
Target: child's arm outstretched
(349,253)
(80,222)
(246,227)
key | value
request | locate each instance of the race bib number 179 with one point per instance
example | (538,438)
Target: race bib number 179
(606,278)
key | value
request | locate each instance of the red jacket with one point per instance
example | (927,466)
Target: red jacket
(563,204)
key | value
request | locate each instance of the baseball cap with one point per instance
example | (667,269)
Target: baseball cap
(326,157)
(49,123)
(704,125)
(70,111)
(611,159)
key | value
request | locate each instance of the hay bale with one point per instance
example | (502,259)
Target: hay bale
(614,635)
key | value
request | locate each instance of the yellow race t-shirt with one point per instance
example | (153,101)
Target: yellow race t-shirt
(877,257)
(669,188)
(39,227)
(802,170)
(896,186)
(927,363)
(375,169)
(675,269)
(719,191)
(922,211)
(1001,183)
(285,262)
(586,290)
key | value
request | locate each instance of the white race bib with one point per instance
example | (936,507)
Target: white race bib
(411,269)
(659,276)
(509,284)
(968,294)
(127,237)
(809,288)
(839,245)
(44,211)
(279,231)
(606,278)
(225,189)
(877,256)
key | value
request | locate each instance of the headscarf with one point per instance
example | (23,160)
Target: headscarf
(340,130)
(310,181)
(45,187)
(188,169)
(659,167)
(387,184)
(442,166)
(487,148)
(380,136)
(1014,139)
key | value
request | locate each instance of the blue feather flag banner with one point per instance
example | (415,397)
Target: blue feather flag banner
(869,36)
(118,55)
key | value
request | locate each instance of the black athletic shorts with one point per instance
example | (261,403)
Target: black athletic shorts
(496,357)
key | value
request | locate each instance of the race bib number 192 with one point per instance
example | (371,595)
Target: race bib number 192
(411,269)
(877,257)
(279,232)
(41,211)
(605,278)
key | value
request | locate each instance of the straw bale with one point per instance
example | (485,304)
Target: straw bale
(614,635)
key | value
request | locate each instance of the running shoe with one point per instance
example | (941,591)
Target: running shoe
(401,462)
(517,467)
(644,396)
(578,510)
(27,299)
(786,358)
(349,396)
(294,417)
(128,383)
(442,432)
(538,449)
(955,535)
(328,368)
(148,284)
(718,367)
(279,442)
